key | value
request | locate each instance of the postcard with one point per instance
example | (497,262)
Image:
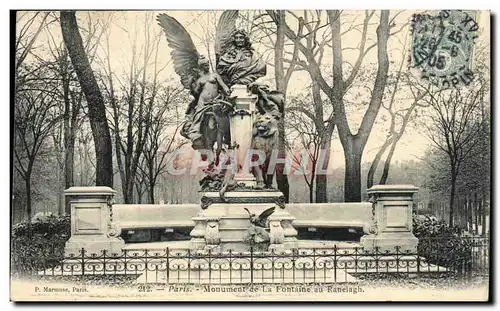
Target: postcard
(251,155)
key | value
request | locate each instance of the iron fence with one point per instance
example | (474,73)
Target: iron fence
(313,265)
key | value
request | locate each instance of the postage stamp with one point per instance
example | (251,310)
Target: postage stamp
(442,47)
(250,155)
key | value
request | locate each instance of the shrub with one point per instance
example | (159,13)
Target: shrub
(40,244)
(441,244)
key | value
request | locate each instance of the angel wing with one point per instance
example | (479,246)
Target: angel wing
(264,215)
(184,53)
(225,27)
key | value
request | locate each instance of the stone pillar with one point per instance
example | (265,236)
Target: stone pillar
(241,132)
(392,219)
(197,241)
(92,226)
(286,231)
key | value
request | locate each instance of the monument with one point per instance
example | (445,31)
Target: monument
(232,122)
(232,113)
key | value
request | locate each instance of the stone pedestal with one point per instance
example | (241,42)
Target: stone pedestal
(241,132)
(92,226)
(392,219)
(222,225)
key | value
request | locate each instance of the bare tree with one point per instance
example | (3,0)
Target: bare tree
(85,158)
(96,109)
(455,128)
(35,115)
(26,37)
(303,135)
(31,77)
(400,117)
(159,145)
(72,97)
(132,113)
(353,144)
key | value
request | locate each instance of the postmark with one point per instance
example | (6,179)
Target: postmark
(442,47)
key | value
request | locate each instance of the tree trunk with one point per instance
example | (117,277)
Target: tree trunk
(476,219)
(321,185)
(483,216)
(69,161)
(281,177)
(128,191)
(321,178)
(151,193)
(140,192)
(452,196)
(28,198)
(59,169)
(311,191)
(471,213)
(325,135)
(387,164)
(352,181)
(69,155)
(376,161)
(96,109)
(354,144)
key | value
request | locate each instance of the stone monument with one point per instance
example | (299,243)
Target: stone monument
(230,109)
(92,225)
(391,227)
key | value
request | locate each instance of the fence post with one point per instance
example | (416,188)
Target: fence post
(168,265)
(83,261)
(335,262)
(418,263)
(251,265)
(189,265)
(210,266)
(125,260)
(104,262)
(146,264)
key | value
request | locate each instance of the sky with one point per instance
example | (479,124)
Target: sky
(127,27)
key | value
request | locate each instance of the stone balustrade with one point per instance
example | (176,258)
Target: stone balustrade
(318,215)
(97,222)
(150,216)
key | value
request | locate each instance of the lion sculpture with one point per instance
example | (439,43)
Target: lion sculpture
(265,138)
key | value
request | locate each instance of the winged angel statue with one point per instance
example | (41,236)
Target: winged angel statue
(207,116)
